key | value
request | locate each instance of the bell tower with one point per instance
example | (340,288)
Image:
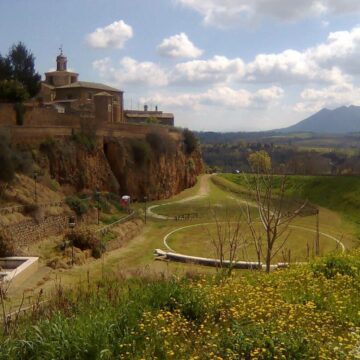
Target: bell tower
(61,61)
(61,77)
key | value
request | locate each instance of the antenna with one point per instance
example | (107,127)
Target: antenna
(61,49)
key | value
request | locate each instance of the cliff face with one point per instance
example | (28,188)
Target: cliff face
(123,166)
(72,164)
(160,176)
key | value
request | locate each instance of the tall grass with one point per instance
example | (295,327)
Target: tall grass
(294,314)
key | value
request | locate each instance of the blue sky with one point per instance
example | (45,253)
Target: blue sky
(217,64)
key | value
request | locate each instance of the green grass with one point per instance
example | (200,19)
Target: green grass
(198,241)
(301,313)
(338,193)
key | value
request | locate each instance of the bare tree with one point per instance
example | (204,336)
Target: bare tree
(274,211)
(227,238)
(255,235)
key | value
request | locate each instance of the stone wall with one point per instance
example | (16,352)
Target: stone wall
(29,231)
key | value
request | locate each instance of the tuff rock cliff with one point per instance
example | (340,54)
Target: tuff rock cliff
(158,169)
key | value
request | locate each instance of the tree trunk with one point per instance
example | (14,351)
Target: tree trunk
(268,259)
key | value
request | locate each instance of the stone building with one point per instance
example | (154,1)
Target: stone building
(148,117)
(62,90)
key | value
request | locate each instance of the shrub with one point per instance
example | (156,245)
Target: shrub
(12,91)
(20,112)
(161,143)
(47,145)
(190,141)
(332,265)
(85,239)
(34,211)
(7,247)
(50,183)
(140,151)
(152,120)
(11,159)
(84,140)
(80,207)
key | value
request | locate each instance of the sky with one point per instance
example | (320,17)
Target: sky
(218,65)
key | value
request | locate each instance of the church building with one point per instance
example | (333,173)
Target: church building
(62,90)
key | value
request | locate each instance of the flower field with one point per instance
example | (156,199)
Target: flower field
(306,312)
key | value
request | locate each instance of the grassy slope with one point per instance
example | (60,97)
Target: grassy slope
(338,193)
(301,313)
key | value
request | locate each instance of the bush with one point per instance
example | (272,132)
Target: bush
(12,160)
(332,265)
(34,211)
(47,145)
(140,151)
(20,112)
(190,141)
(161,143)
(7,247)
(12,91)
(84,140)
(80,207)
(85,239)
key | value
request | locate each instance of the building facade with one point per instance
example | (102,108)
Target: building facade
(62,90)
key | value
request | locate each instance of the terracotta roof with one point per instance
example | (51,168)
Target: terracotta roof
(90,85)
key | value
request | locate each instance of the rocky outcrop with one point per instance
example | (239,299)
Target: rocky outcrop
(71,163)
(160,176)
(124,165)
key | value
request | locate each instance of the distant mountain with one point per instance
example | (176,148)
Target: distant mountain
(342,120)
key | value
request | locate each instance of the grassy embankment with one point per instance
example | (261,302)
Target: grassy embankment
(304,312)
(338,193)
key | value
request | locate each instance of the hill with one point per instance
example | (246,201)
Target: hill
(345,119)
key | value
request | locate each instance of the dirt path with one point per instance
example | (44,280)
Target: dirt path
(203,191)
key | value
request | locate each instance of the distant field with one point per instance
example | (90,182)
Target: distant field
(338,193)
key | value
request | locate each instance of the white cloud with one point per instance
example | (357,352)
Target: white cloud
(225,13)
(178,46)
(313,99)
(131,72)
(291,66)
(221,96)
(215,70)
(114,35)
(342,49)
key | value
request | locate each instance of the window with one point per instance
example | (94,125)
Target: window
(90,96)
(69,96)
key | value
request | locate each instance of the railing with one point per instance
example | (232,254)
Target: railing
(189,216)
(106,228)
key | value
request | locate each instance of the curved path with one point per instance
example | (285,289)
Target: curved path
(203,191)
(166,237)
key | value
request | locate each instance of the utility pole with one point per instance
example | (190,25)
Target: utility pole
(35,189)
(317,240)
(98,205)
(145,198)
(72,224)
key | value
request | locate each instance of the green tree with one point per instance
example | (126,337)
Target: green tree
(190,141)
(5,68)
(12,91)
(22,63)
(260,161)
